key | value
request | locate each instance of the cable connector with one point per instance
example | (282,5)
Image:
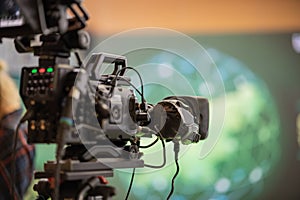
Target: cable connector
(176,149)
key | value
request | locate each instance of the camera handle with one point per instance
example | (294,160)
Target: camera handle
(94,64)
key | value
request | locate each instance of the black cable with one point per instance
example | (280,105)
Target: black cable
(149,145)
(78,58)
(135,88)
(173,179)
(66,123)
(164,155)
(176,150)
(130,184)
(64,128)
(141,81)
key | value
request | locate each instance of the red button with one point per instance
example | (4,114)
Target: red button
(42,70)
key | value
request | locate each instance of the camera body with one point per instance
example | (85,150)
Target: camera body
(44,90)
(116,114)
(120,106)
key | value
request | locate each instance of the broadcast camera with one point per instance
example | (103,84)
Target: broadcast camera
(95,119)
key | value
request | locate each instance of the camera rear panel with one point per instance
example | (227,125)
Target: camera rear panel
(42,90)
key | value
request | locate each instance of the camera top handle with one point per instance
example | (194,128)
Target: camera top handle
(94,64)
